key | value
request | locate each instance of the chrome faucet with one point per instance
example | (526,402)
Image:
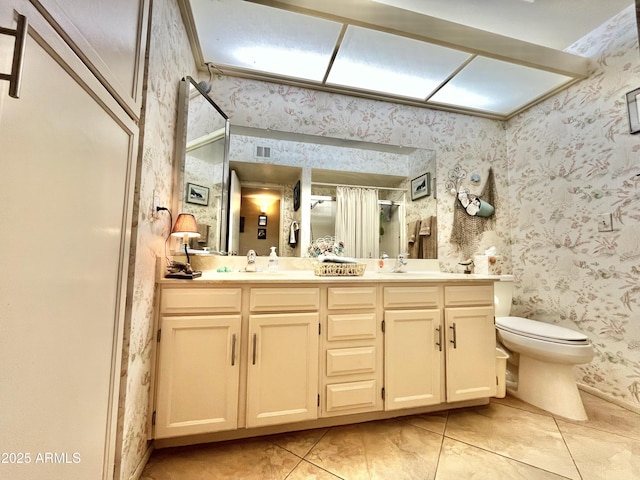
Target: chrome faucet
(251,261)
(401,264)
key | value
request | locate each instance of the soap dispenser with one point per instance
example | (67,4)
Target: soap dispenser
(273,260)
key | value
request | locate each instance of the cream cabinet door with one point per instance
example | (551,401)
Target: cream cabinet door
(282,377)
(111,38)
(198,375)
(67,160)
(471,353)
(413,358)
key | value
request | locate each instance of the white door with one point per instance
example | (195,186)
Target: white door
(198,375)
(67,156)
(471,353)
(282,378)
(413,358)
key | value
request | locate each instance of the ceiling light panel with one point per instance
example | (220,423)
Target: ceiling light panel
(391,64)
(498,87)
(254,37)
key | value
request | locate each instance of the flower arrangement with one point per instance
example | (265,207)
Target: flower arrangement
(326,246)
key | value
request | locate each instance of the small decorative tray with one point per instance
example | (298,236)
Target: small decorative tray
(327,269)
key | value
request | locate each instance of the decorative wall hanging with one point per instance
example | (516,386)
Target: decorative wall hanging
(467,228)
(633,110)
(421,186)
(197,194)
(262,220)
(296,196)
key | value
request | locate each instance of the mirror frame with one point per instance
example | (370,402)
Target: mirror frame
(178,187)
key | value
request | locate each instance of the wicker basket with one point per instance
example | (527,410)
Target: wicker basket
(339,269)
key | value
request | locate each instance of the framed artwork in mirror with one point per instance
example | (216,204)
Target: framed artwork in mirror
(262,220)
(633,110)
(197,194)
(262,234)
(421,186)
(296,196)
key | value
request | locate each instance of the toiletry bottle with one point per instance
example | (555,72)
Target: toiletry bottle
(381,260)
(273,260)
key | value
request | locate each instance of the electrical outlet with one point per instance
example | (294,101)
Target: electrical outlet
(154,206)
(605,222)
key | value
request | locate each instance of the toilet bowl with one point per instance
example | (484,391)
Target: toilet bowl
(545,358)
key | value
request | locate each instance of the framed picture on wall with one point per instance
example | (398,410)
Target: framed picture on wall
(197,194)
(633,110)
(262,234)
(421,186)
(296,196)
(262,220)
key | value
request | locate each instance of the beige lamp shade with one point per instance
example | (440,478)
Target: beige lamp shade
(185,226)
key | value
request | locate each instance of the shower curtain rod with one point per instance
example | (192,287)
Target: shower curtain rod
(359,186)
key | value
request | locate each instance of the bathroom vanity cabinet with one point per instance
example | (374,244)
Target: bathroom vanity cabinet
(260,355)
(198,361)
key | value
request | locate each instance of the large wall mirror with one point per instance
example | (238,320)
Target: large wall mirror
(251,189)
(284,193)
(201,175)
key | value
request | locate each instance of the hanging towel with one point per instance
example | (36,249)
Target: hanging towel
(425,227)
(411,232)
(429,243)
(293,233)
(414,244)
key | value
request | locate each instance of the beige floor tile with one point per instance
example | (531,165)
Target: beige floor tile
(434,422)
(601,455)
(609,417)
(308,471)
(378,450)
(461,461)
(521,435)
(512,401)
(299,443)
(246,459)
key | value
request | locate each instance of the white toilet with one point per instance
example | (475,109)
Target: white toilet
(541,370)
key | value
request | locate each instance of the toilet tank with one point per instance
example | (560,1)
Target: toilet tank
(503,295)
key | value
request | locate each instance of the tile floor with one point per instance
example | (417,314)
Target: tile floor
(507,439)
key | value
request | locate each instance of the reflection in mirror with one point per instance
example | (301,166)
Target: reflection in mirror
(279,160)
(201,172)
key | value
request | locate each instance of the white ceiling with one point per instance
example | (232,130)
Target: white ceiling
(493,58)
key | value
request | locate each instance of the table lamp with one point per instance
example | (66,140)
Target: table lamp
(185,227)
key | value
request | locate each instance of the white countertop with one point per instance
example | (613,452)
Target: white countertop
(307,276)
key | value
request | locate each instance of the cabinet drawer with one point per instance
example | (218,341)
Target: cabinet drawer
(342,396)
(342,298)
(284,299)
(200,300)
(351,326)
(348,361)
(413,297)
(468,295)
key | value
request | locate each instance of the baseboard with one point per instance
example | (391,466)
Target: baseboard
(616,401)
(137,473)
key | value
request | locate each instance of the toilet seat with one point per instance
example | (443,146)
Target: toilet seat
(541,331)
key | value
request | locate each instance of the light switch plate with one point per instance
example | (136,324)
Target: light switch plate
(605,222)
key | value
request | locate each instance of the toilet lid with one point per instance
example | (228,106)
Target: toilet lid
(540,330)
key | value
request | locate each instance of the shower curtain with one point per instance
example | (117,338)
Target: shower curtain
(358,221)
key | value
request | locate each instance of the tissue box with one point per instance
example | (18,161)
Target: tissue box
(487,264)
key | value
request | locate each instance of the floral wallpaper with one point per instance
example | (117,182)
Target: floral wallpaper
(571,158)
(170,59)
